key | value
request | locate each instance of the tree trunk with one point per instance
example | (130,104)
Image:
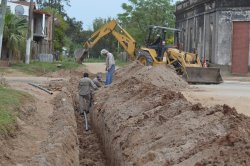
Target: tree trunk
(2,20)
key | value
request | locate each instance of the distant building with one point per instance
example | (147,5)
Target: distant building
(42,26)
(19,8)
(218,29)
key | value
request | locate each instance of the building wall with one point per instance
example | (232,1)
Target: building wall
(13,6)
(39,28)
(198,27)
(207,26)
(225,20)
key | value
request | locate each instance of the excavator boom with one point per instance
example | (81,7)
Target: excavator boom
(121,35)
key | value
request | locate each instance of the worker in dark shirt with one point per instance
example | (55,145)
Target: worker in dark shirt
(85,88)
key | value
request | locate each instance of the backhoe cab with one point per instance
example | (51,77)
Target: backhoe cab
(155,45)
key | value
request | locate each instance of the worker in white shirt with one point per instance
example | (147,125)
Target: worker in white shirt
(110,66)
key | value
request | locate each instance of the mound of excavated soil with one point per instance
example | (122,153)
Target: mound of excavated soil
(142,119)
(160,75)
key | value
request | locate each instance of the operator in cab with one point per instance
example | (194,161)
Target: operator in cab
(158,45)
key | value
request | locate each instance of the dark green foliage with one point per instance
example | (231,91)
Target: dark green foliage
(15,29)
(139,14)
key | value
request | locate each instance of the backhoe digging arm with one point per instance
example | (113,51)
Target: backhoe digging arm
(121,35)
(103,31)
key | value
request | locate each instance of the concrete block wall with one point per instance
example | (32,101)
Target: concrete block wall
(207,26)
(225,19)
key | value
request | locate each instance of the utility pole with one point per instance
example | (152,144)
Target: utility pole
(53,32)
(29,34)
(2,20)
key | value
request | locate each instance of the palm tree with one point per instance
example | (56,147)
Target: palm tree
(14,37)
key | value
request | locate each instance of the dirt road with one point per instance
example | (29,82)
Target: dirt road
(95,67)
(233,93)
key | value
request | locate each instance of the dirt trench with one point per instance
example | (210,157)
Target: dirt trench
(91,152)
(49,129)
(143,119)
(68,142)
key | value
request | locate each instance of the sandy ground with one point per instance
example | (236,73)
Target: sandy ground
(136,129)
(50,134)
(233,93)
(33,131)
(95,67)
(46,131)
(143,119)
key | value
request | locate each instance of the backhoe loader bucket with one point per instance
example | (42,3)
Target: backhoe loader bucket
(80,55)
(203,75)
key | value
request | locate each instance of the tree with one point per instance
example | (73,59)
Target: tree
(75,34)
(60,28)
(141,13)
(62,22)
(3,10)
(14,35)
(58,5)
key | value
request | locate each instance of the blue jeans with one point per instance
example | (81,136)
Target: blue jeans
(109,75)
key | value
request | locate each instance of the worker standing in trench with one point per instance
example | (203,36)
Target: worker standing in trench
(110,66)
(85,87)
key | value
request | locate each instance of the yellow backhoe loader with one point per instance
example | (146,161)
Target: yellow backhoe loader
(156,52)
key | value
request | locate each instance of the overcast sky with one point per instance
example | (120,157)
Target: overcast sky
(87,10)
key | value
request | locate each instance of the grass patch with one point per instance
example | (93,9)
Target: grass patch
(3,69)
(10,101)
(39,68)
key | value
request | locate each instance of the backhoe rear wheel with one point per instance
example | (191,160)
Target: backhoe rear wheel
(144,58)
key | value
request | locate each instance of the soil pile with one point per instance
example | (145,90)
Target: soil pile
(142,119)
(161,75)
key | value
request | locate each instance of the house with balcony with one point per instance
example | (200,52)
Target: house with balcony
(41,27)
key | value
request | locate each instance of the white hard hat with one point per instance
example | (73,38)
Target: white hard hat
(104,51)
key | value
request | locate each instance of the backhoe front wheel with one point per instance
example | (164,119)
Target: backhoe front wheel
(144,58)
